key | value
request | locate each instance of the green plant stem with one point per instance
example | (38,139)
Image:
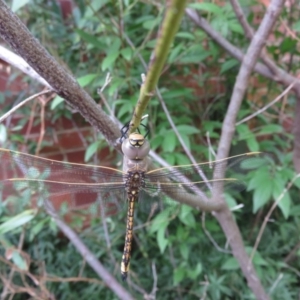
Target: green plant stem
(166,35)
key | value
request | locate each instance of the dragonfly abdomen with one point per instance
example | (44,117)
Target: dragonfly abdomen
(128,237)
(134,181)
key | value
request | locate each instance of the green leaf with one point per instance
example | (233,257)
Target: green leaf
(186,141)
(125,109)
(252,144)
(231,202)
(126,53)
(184,250)
(235,27)
(193,273)
(262,195)
(89,38)
(17,221)
(109,60)
(161,220)
(94,7)
(228,64)
(209,7)
(56,101)
(19,261)
(252,163)
(259,178)
(270,129)
(178,275)
(174,53)
(230,264)
(161,240)
(37,228)
(151,23)
(297,182)
(86,79)
(296,26)
(257,259)
(185,35)
(17,4)
(91,150)
(194,57)
(278,187)
(186,216)
(169,142)
(187,129)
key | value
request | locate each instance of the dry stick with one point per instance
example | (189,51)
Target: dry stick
(22,103)
(290,32)
(209,236)
(12,271)
(268,105)
(154,288)
(267,217)
(43,102)
(109,280)
(19,63)
(280,276)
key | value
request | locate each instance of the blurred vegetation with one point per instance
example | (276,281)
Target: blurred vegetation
(196,84)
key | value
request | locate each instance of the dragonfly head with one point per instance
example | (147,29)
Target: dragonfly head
(136,140)
(136,146)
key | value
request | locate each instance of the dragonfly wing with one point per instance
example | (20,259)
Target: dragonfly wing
(20,165)
(200,179)
(26,176)
(97,197)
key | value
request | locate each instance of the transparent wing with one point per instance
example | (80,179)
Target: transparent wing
(192,178)
(20,165)
(60,182)
(74,196)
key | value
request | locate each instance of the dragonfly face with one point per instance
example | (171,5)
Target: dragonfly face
(136,147)
(50,179)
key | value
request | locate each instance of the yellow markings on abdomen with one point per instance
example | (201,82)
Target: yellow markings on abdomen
(128,238)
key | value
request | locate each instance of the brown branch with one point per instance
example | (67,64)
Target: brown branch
(15,33)
(249,62)
(224,217)
(90,258)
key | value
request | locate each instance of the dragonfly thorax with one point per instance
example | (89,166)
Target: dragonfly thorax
(136,147)
(134,181)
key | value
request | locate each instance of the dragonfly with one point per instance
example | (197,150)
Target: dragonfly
(46,178)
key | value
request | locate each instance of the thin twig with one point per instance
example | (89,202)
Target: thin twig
(249,32)
(267,106)
(211,238)
(22,103)
(93,262)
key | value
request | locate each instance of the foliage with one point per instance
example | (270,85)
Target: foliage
(94,41)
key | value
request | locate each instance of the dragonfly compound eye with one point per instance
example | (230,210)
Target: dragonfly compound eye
(136,147)
(136,140)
